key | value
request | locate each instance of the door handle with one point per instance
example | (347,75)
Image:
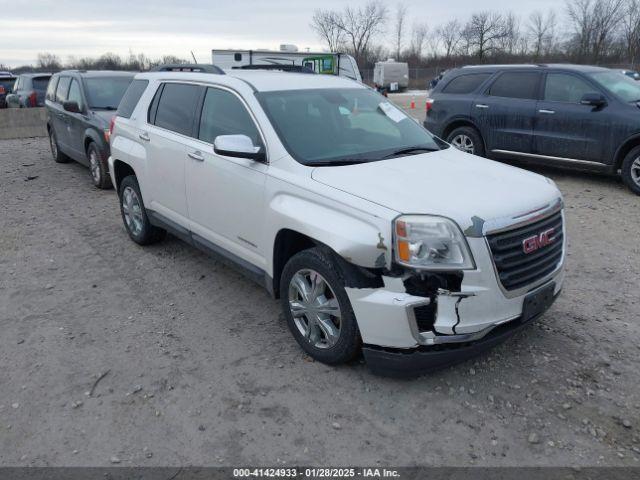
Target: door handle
(144,136)
(482,105)
(547,112)
(197,155)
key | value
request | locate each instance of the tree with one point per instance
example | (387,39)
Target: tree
(541,32)
(631,31)
(449,35)
(483,33)
(360,25)
(594,25)
(419,35)
(401,14)
(49,62)
(326,26)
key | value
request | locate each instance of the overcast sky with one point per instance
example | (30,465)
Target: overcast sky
(160,27)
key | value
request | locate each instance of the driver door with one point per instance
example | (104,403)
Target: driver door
(225,195)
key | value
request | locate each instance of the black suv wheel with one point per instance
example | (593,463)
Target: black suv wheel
(631,170)
(468,140)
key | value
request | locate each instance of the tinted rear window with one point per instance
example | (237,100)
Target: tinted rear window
(40,83)
(131,97)
(105,93)
(176,108)
(7,83)
(516,85)
(465,83)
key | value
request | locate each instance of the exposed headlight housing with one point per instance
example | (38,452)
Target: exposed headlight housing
(430,243)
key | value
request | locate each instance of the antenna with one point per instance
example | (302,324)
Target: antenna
(194,58)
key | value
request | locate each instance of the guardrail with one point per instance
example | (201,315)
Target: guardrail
(22,123)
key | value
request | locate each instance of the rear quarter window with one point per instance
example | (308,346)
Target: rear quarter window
(131,97)
(465,83)
(51,89)
(63,89)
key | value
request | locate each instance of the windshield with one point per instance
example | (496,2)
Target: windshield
(105,93)
(338,126)
(619,84)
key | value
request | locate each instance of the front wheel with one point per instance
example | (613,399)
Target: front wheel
(317,309)
(631,170)
(468,140)
(98,167)
(134,215)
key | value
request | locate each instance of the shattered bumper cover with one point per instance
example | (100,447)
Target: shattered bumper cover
(425,359)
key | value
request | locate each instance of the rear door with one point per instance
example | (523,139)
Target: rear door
(565,128)
(505,112)
(58,115)
(225,194)
(170,125)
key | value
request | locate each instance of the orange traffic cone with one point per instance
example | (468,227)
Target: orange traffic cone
(413,103)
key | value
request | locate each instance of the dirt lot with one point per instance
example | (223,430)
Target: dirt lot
(199,367)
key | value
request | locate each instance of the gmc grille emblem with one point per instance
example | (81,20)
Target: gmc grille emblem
(536,242)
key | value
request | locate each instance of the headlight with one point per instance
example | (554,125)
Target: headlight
(430,243)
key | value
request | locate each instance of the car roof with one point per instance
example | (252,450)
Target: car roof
(555,66)
(260,80)
(98,73)
(34,75)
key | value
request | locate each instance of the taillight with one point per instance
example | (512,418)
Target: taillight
(33,99)
(107,133)
(2,90)
(429,104)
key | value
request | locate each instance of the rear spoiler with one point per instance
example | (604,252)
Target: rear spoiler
(188,67)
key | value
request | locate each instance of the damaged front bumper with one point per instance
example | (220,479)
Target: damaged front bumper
(398,341)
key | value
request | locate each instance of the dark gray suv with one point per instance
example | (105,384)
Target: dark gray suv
(80,106)
(563,115)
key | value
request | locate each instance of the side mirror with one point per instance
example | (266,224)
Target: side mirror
(593,100)
(238,146)
(71,106)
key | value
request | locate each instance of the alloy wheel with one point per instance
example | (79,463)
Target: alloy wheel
(635,171)
(315,308)
(464,143)
(95,166)
(132,211)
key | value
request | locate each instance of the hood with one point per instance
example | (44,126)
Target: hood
(470,190)
(104,116)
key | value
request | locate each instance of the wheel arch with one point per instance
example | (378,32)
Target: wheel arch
(91,135)
(457,123)
(624,149)
(121,170)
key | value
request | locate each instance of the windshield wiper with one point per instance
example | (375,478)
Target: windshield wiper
(340,163)
(411,150)
(104,108)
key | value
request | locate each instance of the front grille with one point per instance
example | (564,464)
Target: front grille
(517,269)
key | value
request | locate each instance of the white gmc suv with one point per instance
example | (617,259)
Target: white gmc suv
(375,235)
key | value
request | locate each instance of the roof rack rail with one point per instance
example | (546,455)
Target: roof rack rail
(282,68)
(188,67)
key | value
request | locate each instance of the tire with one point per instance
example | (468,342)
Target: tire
(58,156)
(312,329)
(98,167)
(134,215)
(631,170)
(467,139)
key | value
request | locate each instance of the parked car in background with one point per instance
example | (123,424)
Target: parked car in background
(80,106)
(374,234)
(632,74)
(7,79)
(29,90)
(562,115)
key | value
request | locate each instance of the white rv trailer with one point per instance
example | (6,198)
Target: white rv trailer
(391,75)
(288,56)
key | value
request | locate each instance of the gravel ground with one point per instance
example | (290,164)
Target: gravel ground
(116,354)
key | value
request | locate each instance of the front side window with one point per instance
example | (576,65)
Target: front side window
(562,87)
(465,83)
(74,93)
(224,114)
(522,85)
(331,126)
(105,93)
(176,107)
(619,84)
(63,89)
